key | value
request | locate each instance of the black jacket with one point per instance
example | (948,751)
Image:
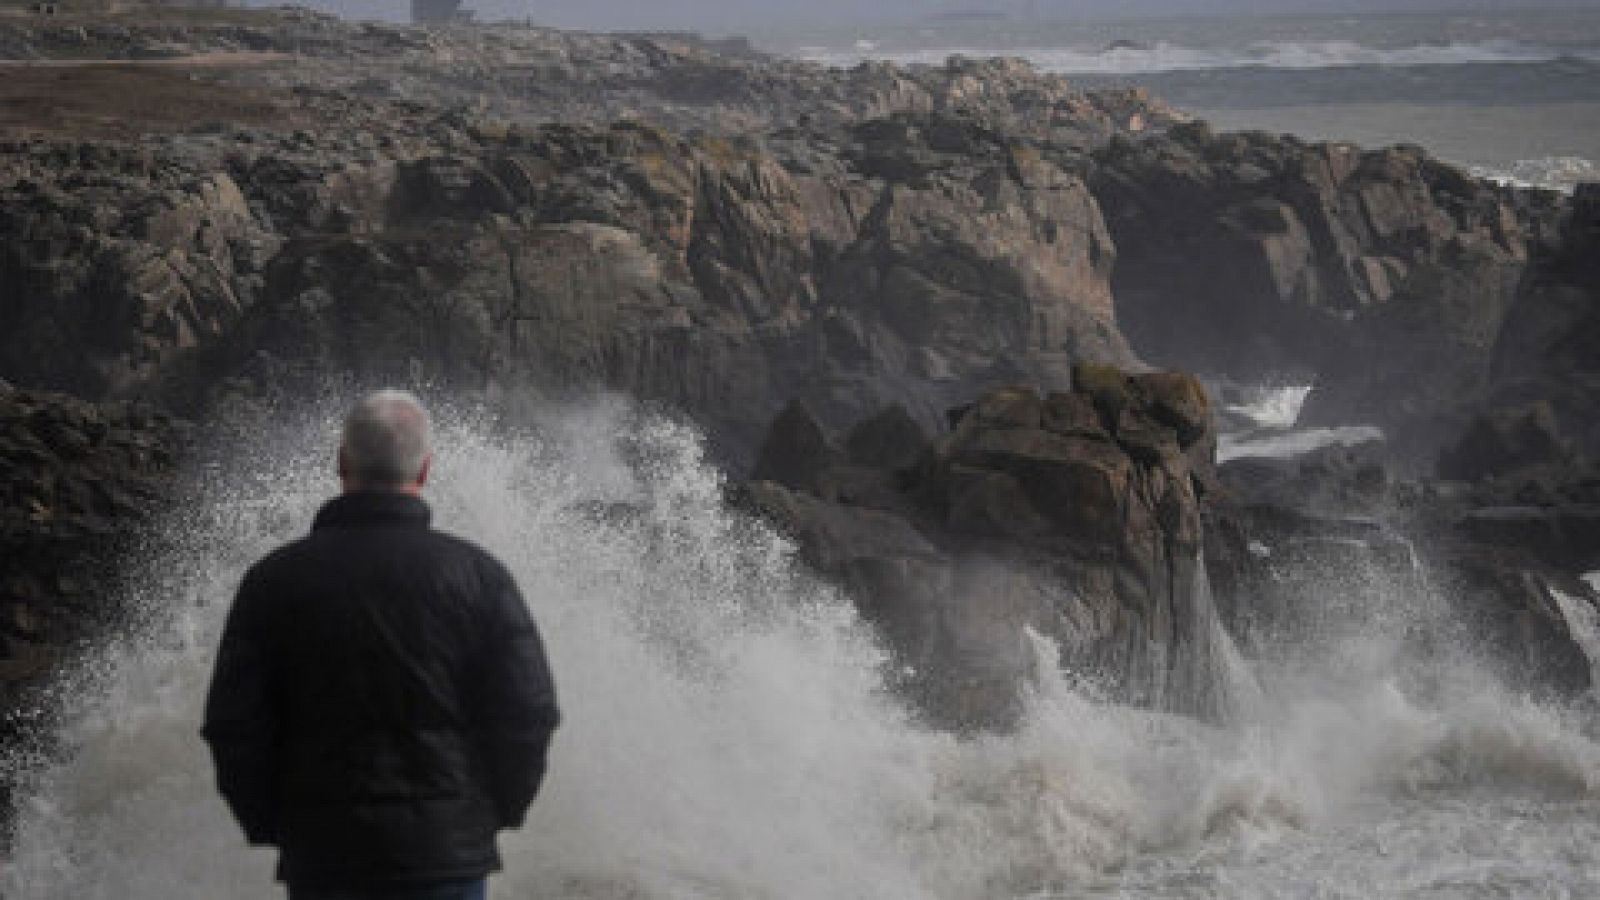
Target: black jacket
(381,703)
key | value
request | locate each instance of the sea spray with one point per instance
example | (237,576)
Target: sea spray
(729,733)
(1271,405)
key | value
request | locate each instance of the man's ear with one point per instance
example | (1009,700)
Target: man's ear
(422,473)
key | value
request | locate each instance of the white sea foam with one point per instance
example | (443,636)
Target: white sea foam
(1287,444)
(1276,406)
(1583,621)
(1170,56)
(728,735)
(1556,173)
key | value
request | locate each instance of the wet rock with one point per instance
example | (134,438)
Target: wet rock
(890,440)
(796,451)
(1030,519)
(1528,634)
(1336,481)
(1565,537)
(698,272)
(77,483)
(1545,354)
(1308,551)
(1291,582)
(1505,441)
(1384,272)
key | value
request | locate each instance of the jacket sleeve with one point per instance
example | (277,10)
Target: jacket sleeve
(516,702)
(241,717)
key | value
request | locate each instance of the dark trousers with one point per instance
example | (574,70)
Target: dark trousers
(471,889)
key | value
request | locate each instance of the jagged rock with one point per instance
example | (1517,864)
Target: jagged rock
(1546,351)
(1385,274)
(77,483)
(1505,441)
(796,451)
(1528,633)
(100,308)
(896,576)
(1565,537)
(1334,481)
(1029,519)
(698,272)
(890,440)
(1306,552)
(1291,582)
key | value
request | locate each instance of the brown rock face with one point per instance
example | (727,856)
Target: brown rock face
(1040,513)
(1549,349)
(1385,274)
(704,273)
(110,271)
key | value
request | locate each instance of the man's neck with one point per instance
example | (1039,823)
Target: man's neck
(409,490)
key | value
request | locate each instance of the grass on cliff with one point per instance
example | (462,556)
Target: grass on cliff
(125,100)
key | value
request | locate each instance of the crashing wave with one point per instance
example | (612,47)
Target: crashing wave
(1128,57)
(730,735)
(1556,173)
(1271,406)
(1289,444)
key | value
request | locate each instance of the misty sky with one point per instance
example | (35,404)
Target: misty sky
(719,16)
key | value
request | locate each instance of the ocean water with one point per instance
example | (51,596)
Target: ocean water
(1513,95)
(729,733)
(1259,421)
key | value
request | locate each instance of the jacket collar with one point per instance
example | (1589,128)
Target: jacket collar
(373,508)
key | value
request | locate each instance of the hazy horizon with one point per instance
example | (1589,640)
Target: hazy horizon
(724,16)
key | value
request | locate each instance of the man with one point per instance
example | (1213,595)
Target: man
(381,705)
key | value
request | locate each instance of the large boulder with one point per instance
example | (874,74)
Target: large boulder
(1072,514)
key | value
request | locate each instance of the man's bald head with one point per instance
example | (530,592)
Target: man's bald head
(387,444)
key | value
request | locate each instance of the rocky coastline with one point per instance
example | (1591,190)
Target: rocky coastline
(936,314)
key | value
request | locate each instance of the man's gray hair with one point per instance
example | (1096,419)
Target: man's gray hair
(386,440)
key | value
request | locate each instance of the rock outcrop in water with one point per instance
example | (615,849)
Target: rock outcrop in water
(1549,350)
(1385,275)
(1328,546)
(1074,514)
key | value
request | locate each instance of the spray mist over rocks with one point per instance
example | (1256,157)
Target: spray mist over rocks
(729,732)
